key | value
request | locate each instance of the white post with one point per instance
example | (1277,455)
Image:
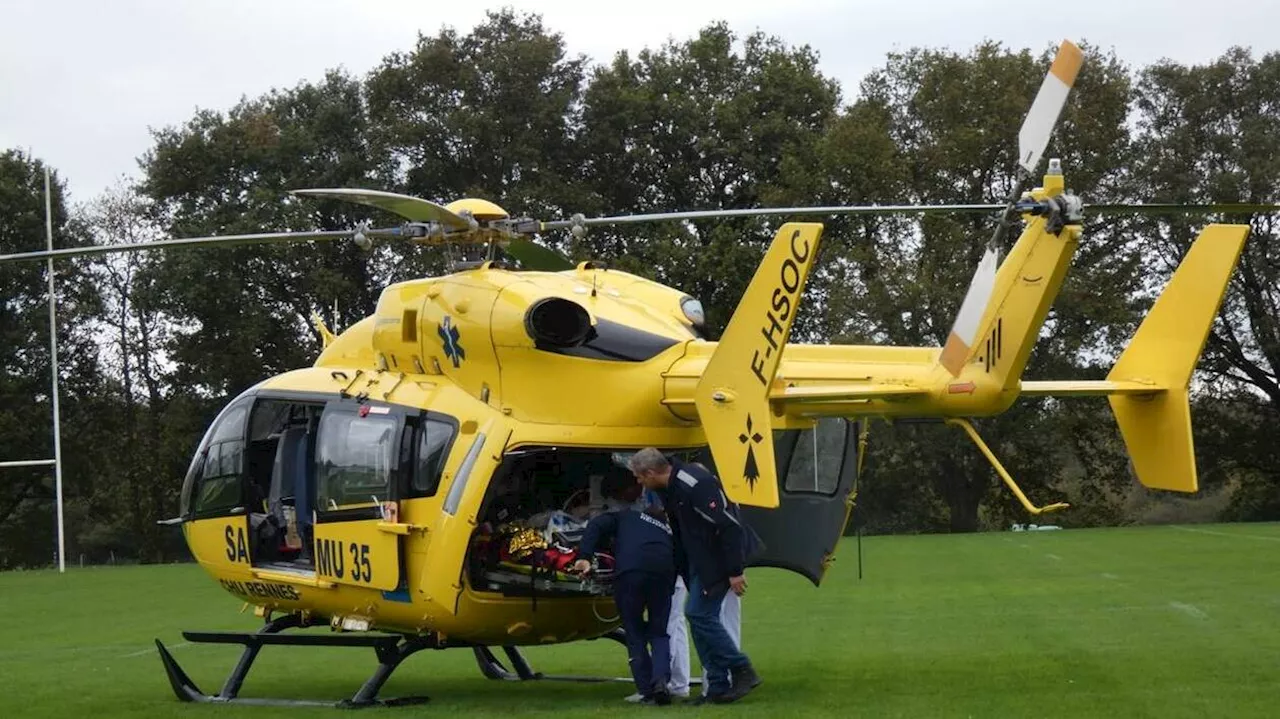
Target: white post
(53,370)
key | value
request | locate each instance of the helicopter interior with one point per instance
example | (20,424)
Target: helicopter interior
(535,514)
(541,498)
(280,480)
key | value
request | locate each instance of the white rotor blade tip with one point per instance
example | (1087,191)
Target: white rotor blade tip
(1033,138)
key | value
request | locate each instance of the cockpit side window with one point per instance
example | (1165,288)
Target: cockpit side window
(435,439)
(816,462)
(356,459)
(213,483)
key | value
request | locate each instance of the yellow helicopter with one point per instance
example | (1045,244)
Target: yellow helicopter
(420,486)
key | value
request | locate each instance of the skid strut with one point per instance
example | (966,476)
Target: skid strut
(520,671)
(391,650)
(967,426)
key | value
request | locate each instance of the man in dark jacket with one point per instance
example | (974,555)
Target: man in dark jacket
(644,563)
(713,546)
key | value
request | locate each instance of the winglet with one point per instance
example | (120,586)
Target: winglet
(732,396)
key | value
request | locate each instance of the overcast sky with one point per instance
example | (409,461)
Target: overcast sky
(81,82)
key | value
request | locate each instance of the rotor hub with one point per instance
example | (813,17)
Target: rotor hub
(481,210)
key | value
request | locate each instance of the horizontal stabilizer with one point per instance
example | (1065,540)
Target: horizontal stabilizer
(1087,388)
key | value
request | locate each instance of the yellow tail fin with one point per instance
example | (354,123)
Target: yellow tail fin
(732,395)
(1163,353)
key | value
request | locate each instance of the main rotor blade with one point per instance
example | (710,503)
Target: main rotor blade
(533,256)
(1033,138)
(1142,208)
(767,211)
(1101,209)
(222,241)
(412,208)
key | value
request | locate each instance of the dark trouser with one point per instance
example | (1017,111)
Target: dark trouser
(634,592)
(715,647)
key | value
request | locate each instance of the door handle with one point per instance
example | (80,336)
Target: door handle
(395,528)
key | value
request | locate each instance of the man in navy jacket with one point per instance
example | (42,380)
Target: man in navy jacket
(644,563)
(712,550)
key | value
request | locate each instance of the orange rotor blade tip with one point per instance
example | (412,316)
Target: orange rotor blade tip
(1066,64)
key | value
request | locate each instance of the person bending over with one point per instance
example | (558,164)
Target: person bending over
(644,562)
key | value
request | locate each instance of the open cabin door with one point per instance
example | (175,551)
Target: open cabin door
(359,460)
(817,471)
(475,457)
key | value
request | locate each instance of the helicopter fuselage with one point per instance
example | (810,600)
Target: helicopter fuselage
(505,364)
(409,416)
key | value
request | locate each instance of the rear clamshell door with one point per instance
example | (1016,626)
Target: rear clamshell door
(817,470)
(358,464)
(476,457)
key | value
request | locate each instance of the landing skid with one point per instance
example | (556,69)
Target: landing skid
(391,650)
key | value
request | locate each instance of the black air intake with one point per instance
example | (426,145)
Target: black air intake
(557,322)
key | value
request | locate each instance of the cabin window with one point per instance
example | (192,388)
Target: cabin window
(215,476)
(818,456)
(355,458)
(434,440)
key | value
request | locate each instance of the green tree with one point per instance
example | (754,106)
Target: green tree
(148,422)
(701,125)
(243,312)
(490,114)
(27,529)
(1211,133)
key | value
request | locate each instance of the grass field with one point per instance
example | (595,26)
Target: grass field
(1144,622)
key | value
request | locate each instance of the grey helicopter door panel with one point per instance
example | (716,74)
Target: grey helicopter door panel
(817,470)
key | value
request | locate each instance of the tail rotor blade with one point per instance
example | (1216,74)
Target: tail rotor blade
(1033,138)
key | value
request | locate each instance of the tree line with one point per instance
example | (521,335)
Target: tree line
(152,344)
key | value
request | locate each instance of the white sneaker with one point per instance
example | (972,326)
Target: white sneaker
(683,693)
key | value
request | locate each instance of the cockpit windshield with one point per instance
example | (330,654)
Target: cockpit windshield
(213,480)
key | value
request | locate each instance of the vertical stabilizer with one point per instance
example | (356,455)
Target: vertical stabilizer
(732,395)
(1163,353)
